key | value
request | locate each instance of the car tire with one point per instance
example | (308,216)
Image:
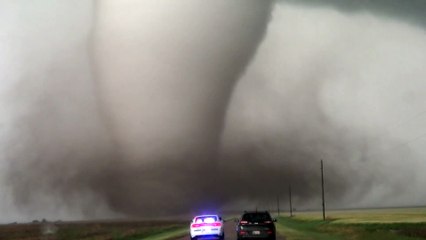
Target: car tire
(222,237)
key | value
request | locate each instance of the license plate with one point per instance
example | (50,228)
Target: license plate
(256,232)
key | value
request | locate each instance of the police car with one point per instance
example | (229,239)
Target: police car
(207,226)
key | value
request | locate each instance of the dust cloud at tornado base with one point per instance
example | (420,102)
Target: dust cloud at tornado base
(117,118)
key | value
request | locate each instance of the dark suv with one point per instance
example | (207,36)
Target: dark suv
(256,225)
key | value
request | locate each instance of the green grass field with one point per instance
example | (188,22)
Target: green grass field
(113,230)
(374,224)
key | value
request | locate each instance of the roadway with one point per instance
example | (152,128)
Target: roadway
(230,233)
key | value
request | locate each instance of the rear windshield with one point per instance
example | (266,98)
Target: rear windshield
(256,217)
(205,219)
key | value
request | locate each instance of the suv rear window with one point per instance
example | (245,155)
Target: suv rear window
(256,217)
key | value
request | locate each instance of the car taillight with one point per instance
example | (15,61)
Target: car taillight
(268,222)
(217,224)
(243,232)
(243,222)
(196,225)
(269,232)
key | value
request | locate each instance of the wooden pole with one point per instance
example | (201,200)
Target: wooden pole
(322,187)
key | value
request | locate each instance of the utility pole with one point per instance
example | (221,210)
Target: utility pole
(289,195)
(322,187)
(278,204)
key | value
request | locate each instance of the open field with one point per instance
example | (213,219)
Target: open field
(398,223)
(102,230)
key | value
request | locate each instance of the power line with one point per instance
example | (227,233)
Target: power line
(322,187)
(278,205)
(289,195)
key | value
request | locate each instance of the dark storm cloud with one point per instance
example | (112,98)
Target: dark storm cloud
(167,142)
(411,10)
(328,85)
(53,134)
(126,102)
(148,108)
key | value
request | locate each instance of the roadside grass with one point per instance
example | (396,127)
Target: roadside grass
(389,224)
(392,215)
(294,229)
(159,233)
(132,230)
(169,234)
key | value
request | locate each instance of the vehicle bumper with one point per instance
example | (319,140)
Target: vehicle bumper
(207,234)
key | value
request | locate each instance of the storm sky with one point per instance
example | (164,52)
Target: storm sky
(154,108)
